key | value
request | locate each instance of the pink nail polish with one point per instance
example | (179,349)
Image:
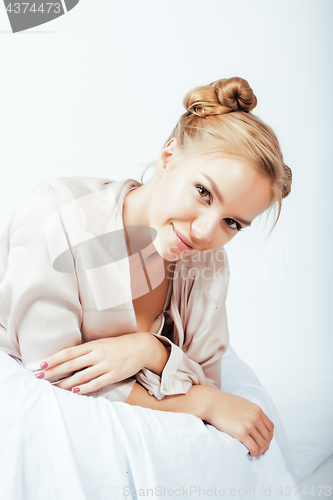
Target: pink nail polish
(44,365)
(76,389)
(40,375)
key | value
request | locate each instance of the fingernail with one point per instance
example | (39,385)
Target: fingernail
(76,389)
(40,375)
(44,365)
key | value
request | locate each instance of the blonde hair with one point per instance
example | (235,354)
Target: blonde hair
(218,121)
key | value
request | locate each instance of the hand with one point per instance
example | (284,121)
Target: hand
(241,419)
(106,361)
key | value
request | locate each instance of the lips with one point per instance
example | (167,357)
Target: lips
(181,242)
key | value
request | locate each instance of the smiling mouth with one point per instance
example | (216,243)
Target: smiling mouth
(181,245)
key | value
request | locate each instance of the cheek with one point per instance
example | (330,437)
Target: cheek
(172,207)
(223,236)
(159,213)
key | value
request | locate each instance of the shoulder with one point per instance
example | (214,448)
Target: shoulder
(57,192)
(65,189)
(62,211)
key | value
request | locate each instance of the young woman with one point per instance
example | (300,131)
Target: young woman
(93,271)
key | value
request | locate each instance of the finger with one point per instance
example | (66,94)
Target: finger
(67,367)
(93,385)
(65,355)
(60,383)
(81,378)
(268,423)
(261,443)
(251,445)
(266,435)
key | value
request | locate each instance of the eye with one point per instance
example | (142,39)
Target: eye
(202,188)
(238,226)
(230,222)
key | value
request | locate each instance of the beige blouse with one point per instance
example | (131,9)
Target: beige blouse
(65,280)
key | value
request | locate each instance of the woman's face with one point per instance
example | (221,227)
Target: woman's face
(206,201)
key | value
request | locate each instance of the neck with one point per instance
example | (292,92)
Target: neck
(135,213)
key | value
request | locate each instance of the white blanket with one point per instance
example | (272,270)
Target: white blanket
(59,445)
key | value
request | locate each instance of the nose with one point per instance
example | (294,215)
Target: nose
(203,229)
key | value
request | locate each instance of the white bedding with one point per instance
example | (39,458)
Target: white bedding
(59,445)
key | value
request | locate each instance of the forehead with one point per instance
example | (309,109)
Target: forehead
(218,168)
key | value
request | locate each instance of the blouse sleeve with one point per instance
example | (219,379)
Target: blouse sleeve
(198,360)
(41,305)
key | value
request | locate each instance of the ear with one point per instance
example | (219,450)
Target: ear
(169,153)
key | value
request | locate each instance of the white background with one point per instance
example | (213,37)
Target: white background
(97,92)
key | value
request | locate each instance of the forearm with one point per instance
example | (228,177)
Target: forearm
(158,354)
(195,402)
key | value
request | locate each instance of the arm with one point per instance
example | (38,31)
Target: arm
(193,403)
(105,361)
(234,415)
(200,337)
(159,365)
(200,365)
(42,312)
(157,355)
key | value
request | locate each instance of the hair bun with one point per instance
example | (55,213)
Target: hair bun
(286,188)
(235,93)
(219,97)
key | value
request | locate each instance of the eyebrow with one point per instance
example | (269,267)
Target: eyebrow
(219,197)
